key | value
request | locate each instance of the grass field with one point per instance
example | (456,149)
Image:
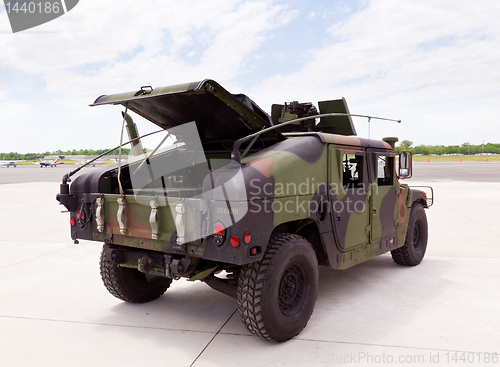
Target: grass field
(65,161)
(29,163)
(26,163)
(456,158)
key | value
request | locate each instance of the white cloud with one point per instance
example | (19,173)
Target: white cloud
(10,129)
(432,63)
(327,11)
(406,59)
(113,43)
(106,48)
(13,110)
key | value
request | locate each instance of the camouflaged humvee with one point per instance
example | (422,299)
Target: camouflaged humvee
(248,203)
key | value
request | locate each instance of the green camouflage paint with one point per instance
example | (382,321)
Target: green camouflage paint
(295,181)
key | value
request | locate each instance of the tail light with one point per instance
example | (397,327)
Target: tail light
(218,233)
(218,229)
(235,241)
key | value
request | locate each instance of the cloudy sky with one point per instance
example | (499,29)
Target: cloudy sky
(434,64)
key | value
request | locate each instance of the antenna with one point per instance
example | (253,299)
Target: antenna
(369,125)
(369,119)
(236,155)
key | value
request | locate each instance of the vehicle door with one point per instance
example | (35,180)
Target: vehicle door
(348,196)
(383,196)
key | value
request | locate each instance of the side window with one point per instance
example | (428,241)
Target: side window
(352,171)
(385,170)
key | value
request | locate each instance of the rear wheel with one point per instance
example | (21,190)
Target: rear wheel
(276,295)
(413,251)
(129,284)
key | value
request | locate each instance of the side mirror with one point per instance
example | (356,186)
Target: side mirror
(405,164)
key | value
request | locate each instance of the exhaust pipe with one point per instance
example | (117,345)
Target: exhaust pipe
(133,134)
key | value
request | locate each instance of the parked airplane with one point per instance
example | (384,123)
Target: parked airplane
(98,162)
(8,164)
(49,163)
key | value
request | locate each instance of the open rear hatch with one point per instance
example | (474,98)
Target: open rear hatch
(220,117)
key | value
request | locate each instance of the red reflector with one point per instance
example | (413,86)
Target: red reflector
(235,241)
(218,229)
(248,238)
(82,215)
(72,221)
(253,251)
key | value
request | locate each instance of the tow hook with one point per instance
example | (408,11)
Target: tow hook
(178,267)
(145,264)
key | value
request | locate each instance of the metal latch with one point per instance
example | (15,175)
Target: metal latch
(121,215)
(180,221)
(153,218)
(99,214)
(145,90)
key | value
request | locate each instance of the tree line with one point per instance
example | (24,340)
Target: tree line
(33,156)
(465,148)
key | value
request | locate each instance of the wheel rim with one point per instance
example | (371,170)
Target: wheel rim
(292,290)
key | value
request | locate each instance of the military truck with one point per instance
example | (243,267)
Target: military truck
(249,203)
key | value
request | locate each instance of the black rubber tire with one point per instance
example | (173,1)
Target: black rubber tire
(129,284)
(276,295)
(413,251)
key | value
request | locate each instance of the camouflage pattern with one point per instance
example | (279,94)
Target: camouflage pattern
(339,192)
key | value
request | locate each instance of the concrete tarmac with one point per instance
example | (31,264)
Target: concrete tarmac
(54,310)
(456,171)
(422,171)
(35,173)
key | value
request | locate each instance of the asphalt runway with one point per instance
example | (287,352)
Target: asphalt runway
(422,172)
(23,174)
(456,171)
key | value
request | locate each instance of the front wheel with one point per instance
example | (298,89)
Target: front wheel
(276,295)
(130,284)
(413,251)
